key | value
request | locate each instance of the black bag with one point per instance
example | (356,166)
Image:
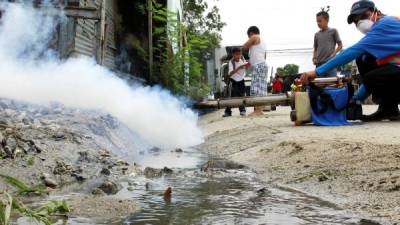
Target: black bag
(354,111)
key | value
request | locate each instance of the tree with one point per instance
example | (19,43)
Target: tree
(203,30)
(202,23)
(200,19)
(181,69)
(178,64)
(287,70)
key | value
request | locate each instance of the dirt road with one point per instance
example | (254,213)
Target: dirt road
(356,167)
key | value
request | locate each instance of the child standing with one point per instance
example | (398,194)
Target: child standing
(257,54)
(325,41)
(237,71)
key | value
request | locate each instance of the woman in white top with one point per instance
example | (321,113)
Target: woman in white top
(257,54)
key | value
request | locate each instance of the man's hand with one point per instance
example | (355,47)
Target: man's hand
(308,76)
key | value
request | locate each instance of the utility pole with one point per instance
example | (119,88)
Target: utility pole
(150,27)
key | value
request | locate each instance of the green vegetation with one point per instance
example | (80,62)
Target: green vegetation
(9,204)
(345,67)
(288,69)
(182,46)
(6,206)
(24,189)
(30,161)
(53,207)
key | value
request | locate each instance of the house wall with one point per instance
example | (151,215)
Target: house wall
(110,47)
(91,37)
(87,33)
(119,28)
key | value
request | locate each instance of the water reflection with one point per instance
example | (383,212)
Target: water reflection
(223,196)
(230,197)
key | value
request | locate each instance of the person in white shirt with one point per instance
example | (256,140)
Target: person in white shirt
(257,52)
(237,71)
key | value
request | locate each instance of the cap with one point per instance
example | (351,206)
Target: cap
(359,8)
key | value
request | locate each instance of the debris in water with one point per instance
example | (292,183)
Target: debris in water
(151,172)
(207,167)
(79,177)
(154,150)
(168,193)
(105,171)
(109,187)
(130,188)
(262,191)
(48,181)
(167,170)
(122,163)
(98,191)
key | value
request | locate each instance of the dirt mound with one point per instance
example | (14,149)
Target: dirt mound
(68,145)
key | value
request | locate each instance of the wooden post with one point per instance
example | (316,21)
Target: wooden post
(150,28)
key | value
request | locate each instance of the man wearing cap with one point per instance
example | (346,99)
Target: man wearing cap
(378,58)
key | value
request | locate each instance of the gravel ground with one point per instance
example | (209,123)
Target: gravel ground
(69,151)
(357,167)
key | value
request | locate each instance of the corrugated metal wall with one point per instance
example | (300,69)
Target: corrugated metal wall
(88,34)
(110,48)
(65,38)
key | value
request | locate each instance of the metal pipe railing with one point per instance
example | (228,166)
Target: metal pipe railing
(245,101)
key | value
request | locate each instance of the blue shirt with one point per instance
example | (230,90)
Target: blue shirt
(381,41)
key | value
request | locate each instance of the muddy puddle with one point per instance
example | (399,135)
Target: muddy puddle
(226,194)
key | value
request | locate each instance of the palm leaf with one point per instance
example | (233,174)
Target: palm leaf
(22,187)
(5,209)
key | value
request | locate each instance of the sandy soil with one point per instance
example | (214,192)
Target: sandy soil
(102,208)
(356,167)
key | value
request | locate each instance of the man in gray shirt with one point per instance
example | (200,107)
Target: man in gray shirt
(325,42)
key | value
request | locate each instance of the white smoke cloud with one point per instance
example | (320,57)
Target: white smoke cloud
(29,75)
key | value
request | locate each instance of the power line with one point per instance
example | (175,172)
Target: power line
(290,50)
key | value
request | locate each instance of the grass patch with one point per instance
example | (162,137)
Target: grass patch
(30,161)
(10,204)
(24,189)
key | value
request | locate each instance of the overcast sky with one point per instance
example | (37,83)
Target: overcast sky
(289,23)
